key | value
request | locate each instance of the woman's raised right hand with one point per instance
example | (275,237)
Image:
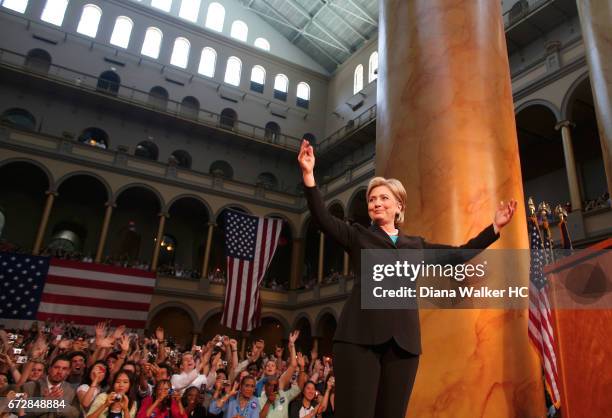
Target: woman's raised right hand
(306,157)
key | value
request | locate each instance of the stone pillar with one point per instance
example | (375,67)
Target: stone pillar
(296,263)
(158,240)
(321,257)
(570,164)
(194,339)
(102,242)
(446,129)
(44,220)
(243,345)
(205,262)
(596,24)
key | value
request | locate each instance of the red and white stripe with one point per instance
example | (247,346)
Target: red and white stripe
(541,334)
(241,308)
(88,293)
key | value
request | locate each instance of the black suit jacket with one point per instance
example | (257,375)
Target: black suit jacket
(371,326)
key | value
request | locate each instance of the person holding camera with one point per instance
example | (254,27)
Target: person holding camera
(164,403)
(240,402)
(274,402)
(119,401)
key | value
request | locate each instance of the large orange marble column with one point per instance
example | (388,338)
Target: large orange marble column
(446,129)
(596,24)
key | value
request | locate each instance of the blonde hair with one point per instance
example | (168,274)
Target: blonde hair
(398,190)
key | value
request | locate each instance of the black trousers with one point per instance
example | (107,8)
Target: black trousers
(373,381)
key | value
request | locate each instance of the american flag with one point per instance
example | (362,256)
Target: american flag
(540,321)
(34,287)
(250,243)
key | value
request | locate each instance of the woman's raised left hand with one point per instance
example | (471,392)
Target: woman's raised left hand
(504,213)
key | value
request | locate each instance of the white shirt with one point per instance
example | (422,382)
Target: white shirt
(193,378)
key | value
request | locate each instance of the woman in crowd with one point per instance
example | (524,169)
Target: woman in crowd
(193,404)
(95,382)
(164,403)
(385,343)
(239,402)
(310,404)
(119,401)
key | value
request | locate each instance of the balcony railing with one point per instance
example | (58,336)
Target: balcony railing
(94,84)
(363,119)
(521,9)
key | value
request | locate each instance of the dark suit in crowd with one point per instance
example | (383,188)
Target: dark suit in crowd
(38,388)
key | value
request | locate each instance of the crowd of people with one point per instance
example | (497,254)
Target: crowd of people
(119,373)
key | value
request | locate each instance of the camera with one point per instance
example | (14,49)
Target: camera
(22,359)
(224,363)
(12,337)
(19,396)
(170,392)
(117,397)
(17,350)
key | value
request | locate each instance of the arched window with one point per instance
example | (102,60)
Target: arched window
(281,86)
(208,61)
(258,78)
(215,17)
(19,6)
(158,98)
(272,131)
(147,149)
(373,67)
(164,5)
(90,20)
(38,60)
(54,11)
(262,43)
(303,95)
(19,118)
(268,181)
(152,42)
(190,9)
(180,53)
(232,71)
(122,32)
(222,169)
(183,159)
(109,82)
(228,119)
(239,30)
(358,79)
(190,107)
(95,137)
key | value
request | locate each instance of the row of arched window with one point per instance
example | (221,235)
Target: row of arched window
(96,137)
(55,10)
(90,20)
(372,73)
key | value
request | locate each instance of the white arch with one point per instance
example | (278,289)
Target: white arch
(303,91)
(373,67)
(358,79)
(190,9)
(180,52)
(122,32)
(54,12)
(258,74)
(262,43)
(239,30)
(208,62)
(233,71)
(90,20)
(215,17)
(281,83)
(152,42)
